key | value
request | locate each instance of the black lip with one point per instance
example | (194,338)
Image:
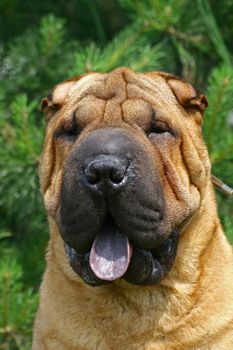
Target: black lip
(80,265)
(146,266)
(151,266)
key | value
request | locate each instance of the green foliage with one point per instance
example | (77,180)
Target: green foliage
(189,39)
(17,307)
(29,62)
(158,15)
(124,49)
(220,96)
(219,134)
(21,142)
(213,30)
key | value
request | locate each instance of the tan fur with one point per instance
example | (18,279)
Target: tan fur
(192,307)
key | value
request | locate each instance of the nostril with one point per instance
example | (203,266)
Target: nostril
(117,175)
(92,175)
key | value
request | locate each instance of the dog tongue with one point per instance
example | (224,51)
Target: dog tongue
(110,255)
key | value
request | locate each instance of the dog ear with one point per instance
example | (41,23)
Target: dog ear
(55,100)
(187,95)
(48,107)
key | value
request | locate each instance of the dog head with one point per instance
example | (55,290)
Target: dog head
(123,170)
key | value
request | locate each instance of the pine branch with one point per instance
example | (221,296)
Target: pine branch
(20,146)
(156,15)
(213,31)
(227,190)
(220,96)
(128,48)
(97,20)
(193,39)
(17,307)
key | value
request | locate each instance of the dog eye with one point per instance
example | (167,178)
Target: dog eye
(157,128)
(68,131)
(68,134)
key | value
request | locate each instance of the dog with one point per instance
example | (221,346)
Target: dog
(137,258)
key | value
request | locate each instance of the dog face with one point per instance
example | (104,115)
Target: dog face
(123,170)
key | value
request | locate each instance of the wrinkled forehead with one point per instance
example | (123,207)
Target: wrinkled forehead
(122,87)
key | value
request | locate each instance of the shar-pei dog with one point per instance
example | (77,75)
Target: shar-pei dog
(137,257)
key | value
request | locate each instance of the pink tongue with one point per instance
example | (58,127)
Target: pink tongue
(110,255)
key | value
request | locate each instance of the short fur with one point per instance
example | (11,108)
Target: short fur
(192,307)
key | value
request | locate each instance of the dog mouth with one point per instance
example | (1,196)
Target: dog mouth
(110,253)
(113,256)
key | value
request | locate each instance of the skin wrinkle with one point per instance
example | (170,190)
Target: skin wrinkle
(147,206)
(52,163)
(126,96)
(177,183)
(144,217)
(120,103)
(148,97)
(54,177)
(104,111)
(200,154)
(142,117)
(139,226)
(184,177)
(81,86)
(198,184)
(87,120)
(73,101)
(52,166)
(142,220)
(122,112)
(167,178)
(147,84)
(185,164)
(194,144)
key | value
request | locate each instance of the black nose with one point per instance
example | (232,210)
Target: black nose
(106,170)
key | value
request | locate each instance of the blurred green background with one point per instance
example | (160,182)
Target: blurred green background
(42,43)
